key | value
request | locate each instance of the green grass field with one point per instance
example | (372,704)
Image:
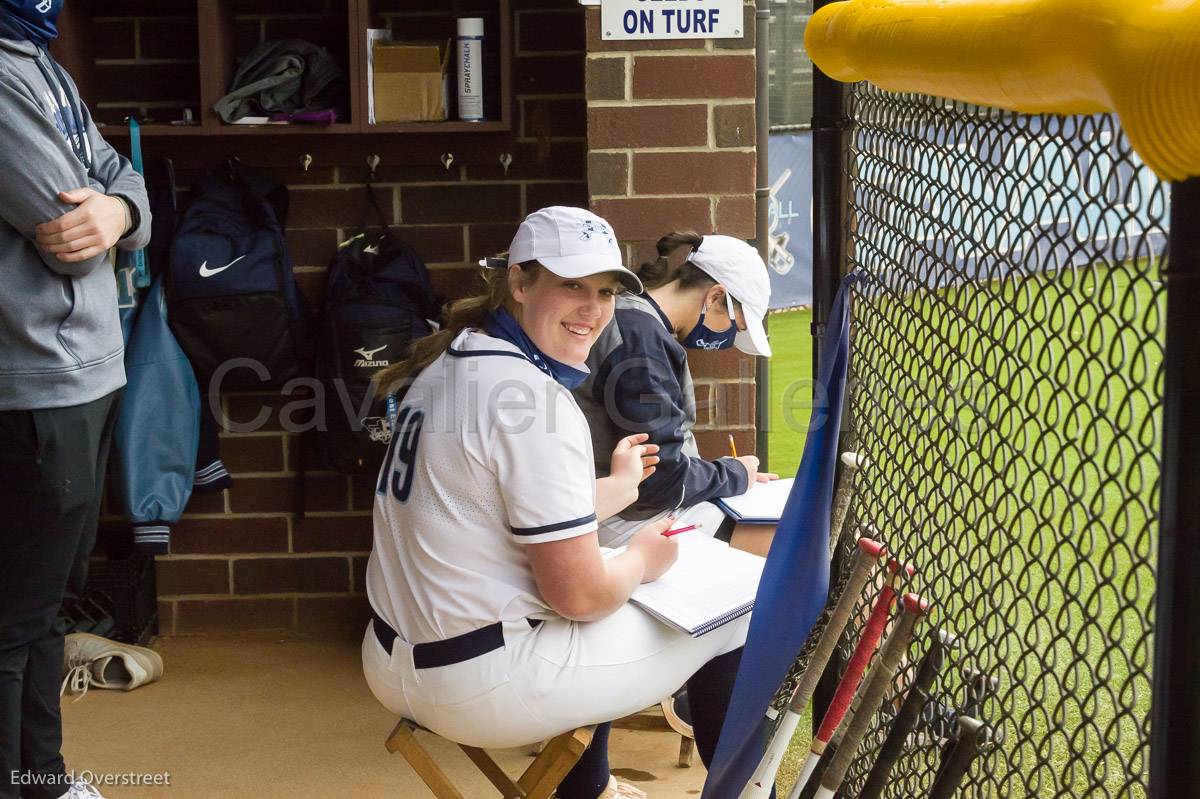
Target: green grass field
(1014,433)
(791,387)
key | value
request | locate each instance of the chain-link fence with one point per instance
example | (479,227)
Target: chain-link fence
(1008,343)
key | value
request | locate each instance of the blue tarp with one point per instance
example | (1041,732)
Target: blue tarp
(795,580)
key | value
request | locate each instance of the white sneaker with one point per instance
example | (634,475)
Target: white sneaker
(81,789)
(91,660)
(77,675)
(678,713)
(620,790)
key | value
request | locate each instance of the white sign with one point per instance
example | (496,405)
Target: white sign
(671,19)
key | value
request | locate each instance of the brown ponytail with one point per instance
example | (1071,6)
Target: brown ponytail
(460,315)
(657,273)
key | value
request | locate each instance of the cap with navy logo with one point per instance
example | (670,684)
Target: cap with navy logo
(570,242)
(738,266)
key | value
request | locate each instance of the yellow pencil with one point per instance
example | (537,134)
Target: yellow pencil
(732,446)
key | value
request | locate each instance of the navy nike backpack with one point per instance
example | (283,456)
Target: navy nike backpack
(234,304)
(378,299)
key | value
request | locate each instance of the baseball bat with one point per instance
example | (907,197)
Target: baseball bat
(837,587)
(977,687)
(851,463)
(814,779)
(965,749)
(763,779)
(980,687)
(876,687)
(848,685)
(906,720)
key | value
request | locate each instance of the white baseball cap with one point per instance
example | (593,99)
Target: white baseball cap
(570,242)
(738,266)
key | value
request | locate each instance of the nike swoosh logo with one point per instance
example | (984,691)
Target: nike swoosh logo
(206,272)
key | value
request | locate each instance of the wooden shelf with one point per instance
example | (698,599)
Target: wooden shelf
(231,130)
(450,126)
(217,54)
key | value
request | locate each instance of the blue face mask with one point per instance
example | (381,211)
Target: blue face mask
(34,20)
(701,338)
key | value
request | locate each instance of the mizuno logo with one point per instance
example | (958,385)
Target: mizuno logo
(206,272)
(368,358)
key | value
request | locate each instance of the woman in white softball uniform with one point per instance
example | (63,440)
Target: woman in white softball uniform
(497,621)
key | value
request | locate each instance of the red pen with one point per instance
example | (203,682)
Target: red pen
(679,530)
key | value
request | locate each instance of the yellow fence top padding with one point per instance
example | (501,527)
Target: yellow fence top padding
(1139,58)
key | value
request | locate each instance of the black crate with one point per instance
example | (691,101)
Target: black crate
(127,586)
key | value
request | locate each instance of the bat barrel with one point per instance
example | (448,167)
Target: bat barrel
(763,779)
(906,720)
(966,749)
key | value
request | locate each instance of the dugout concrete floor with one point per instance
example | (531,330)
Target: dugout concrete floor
(236,718)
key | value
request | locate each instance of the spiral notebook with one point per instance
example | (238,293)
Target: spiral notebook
(762,504)
(711,584)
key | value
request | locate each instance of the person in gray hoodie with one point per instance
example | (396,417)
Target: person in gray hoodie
(66,197)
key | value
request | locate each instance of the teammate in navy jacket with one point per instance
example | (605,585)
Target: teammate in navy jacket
(640,381)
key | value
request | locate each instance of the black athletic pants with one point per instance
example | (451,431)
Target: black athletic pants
(52,465)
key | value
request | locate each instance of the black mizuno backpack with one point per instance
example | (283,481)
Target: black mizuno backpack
(378,299)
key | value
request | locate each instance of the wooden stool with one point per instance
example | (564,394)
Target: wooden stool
(538,782)
(652,719)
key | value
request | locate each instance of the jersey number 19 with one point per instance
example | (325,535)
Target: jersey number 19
(402,452)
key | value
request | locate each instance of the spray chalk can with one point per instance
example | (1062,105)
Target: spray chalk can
(470,69)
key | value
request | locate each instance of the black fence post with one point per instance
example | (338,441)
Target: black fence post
(828,130)
(1175,714)
(829,125)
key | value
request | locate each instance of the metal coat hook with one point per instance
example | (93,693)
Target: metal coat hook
(372,165)
(306,162)
(506,162)
(447,160)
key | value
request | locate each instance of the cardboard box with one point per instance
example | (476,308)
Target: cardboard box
(410,81)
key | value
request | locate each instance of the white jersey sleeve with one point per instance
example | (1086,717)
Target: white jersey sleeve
(542,452)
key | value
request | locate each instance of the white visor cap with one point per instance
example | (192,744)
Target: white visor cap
(738,266)
(570,242)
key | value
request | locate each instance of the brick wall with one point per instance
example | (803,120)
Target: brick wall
(670,135)
(240,560)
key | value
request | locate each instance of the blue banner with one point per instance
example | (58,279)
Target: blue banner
(790,220)
(976,215)
(795,580)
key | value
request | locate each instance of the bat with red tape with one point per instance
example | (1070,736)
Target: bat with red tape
(855,669)
(763,779)
(874,689)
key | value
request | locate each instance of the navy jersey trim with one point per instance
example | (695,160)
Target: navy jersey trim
(550,528)
(453,353)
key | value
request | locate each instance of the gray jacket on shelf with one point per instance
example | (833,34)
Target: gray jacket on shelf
(283,76)
(60,336)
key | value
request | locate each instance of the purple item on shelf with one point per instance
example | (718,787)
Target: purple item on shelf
(324,116)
